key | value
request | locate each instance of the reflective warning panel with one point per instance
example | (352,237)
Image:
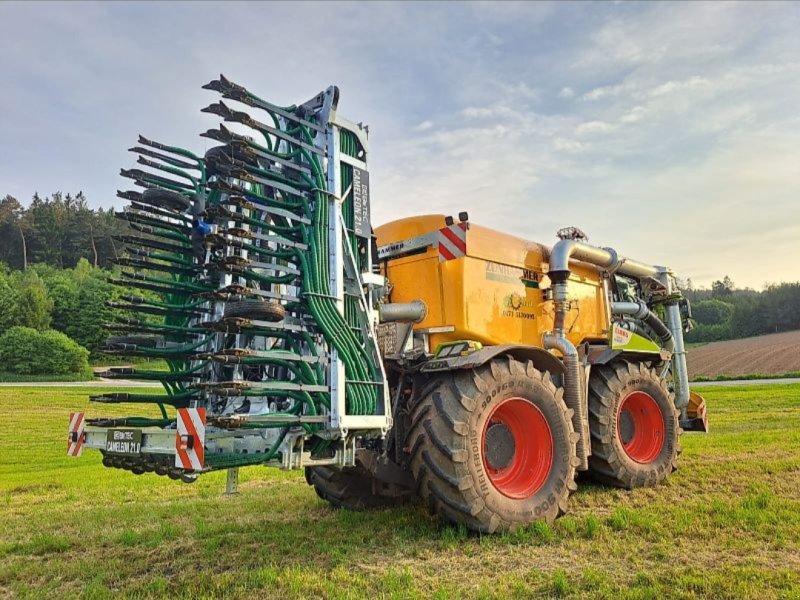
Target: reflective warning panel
(76,428)
(452,241)
(190,437)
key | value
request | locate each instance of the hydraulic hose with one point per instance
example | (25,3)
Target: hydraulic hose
(640,311)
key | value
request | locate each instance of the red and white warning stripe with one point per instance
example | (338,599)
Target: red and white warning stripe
(190,438)
(77,425)
(453,241)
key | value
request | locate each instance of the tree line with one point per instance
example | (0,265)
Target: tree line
(725,312)
(57,230)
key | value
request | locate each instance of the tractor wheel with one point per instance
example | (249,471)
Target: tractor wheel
(166,199)
(494,448)
(260,310)
(348,488)
(634,426)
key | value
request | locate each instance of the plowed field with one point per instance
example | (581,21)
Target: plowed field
(766,355)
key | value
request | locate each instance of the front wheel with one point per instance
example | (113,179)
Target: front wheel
(634,426)
(351,488)
(494,448)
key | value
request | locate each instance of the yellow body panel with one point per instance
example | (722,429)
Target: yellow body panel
(494,294)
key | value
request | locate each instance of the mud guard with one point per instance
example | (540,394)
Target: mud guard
(542,359)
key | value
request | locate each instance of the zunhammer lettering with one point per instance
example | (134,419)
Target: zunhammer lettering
(508,274)
(391,248)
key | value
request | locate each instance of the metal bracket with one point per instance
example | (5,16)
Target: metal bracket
(232,482)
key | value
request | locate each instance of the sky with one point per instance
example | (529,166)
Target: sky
(669,131)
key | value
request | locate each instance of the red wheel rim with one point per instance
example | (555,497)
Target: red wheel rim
(525,468)
(640,426)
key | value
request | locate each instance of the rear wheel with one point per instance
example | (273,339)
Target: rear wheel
(634,426)
(494,448)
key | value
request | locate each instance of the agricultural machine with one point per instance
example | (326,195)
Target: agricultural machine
(428,358)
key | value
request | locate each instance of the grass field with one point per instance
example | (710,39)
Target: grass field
(727,524)
(87,375)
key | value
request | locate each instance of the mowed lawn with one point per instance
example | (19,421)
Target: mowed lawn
(727,524)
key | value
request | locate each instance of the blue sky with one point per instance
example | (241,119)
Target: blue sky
(669,131)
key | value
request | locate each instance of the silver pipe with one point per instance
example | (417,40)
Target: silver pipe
(564,250)
(413,312)
(574,397)
(680,372)
(637,310)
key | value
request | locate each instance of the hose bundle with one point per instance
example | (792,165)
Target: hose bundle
(230,258)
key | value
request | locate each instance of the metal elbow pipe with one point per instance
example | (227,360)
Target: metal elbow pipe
(574,397)
(640,311)
(410,312)
(607,258)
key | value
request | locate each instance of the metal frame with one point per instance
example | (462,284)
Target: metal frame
(224,433)
(342,263)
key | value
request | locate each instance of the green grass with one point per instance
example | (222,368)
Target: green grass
(725,525)
(150,364)
(6,377)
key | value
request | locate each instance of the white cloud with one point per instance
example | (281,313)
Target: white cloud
(424,126)
(591,127)
(604,92)
(474,112)
(566,92)
(671,87)
(633,115)
(569,145)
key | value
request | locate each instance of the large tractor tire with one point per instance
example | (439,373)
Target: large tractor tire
(634,426)
(348,488)
(494,448)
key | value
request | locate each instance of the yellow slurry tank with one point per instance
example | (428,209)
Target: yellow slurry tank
(497,293)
